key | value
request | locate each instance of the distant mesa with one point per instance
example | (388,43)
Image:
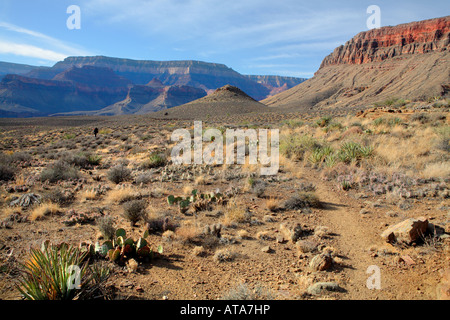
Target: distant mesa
(89,85)
(410,61)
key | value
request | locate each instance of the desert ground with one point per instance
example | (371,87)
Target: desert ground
(312,231)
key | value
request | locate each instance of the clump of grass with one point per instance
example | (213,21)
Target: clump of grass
(45,209)
(122,195)
(134,211)
(235,215)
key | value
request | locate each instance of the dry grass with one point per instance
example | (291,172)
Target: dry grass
(43,210)
(187,233)
(89,194)
(436,170)
(121,195)
(273,204)
(234,214)
(9,211)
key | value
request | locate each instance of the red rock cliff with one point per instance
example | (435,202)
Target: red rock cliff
(387,42)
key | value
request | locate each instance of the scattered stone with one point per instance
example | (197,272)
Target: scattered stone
(322,287)
(391,214)
(132,266)
(364,211)
(407,259)
(291,231)
(406,231)
(305,246)
(266,249)
(321,262)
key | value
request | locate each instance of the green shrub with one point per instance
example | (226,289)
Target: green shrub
(155,160)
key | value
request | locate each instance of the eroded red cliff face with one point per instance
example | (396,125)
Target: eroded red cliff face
(387,42)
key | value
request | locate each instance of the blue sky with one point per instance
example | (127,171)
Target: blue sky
(284,37)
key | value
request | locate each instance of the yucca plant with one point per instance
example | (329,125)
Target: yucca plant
(48,273)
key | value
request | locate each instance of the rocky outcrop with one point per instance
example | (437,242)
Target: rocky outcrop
(377,45)
(409,61)
(407,231)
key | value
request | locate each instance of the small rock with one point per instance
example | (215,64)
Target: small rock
(321,262)
(364,211)
(139,289)
(305,246)
(132,266)
(266,249)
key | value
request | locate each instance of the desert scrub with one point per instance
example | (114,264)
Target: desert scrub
(294,146)
(443,139)
(302,200)
(319,154)
(155,160)
(224,255)
(257,186)
(119,173)
(323,121)
(134,211)
(58,171)
(106,226)
(47,274)
(243,292)
(82,160)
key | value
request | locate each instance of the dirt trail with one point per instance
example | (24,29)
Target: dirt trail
(353,234)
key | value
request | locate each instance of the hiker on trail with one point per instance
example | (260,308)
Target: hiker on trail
(95,132)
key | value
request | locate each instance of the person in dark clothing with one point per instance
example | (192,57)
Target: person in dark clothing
(95,132)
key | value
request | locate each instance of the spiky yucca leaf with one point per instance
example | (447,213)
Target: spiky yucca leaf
(47,273)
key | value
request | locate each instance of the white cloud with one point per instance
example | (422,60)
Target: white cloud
(26,50)
(43,47)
